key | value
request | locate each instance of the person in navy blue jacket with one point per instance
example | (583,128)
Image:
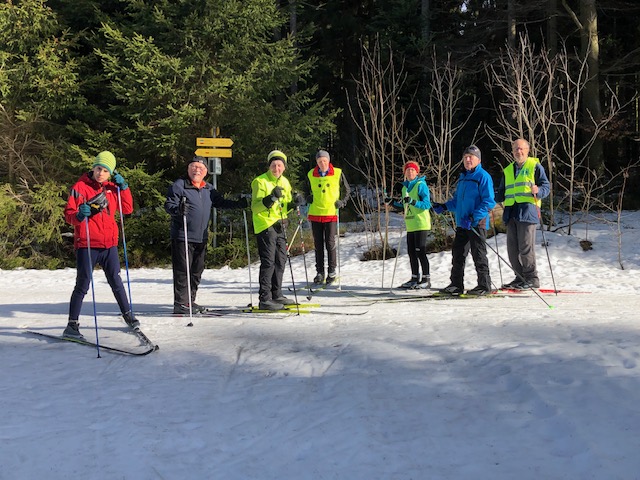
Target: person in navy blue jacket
(524,183)
(191,197)
(471,203)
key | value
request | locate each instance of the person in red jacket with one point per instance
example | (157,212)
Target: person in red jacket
(91,209)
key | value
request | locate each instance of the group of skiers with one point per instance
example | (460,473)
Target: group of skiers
(96,196)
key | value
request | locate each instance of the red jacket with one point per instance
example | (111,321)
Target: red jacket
(103,229)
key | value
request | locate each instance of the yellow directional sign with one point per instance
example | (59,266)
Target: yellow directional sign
(214,152)
(213,142)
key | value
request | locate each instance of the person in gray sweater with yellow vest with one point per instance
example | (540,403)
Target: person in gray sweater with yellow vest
(325,181)
(523,185)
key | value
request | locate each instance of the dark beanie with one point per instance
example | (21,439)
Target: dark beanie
(473,150)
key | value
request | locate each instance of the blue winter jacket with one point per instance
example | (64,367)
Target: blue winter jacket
(199,203)
(525,212)
(473,197)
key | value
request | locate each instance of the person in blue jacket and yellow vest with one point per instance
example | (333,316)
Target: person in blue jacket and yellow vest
(471,202)
(324,201)
(416,202)
(270,196)
(523,185)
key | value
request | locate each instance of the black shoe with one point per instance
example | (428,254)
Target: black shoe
(452,290)
(411,284)
(512,284)
(535,283)
(197,308)
(182,309)
(479,291)
(130,319)
(331,278)
(73,330)
(425,282)
(269,305)
(283,301)
(319,279)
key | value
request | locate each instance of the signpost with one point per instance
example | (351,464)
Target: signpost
(221,149)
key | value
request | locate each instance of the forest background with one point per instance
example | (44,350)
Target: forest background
(375,82)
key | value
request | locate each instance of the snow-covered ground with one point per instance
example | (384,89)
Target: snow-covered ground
(492,388)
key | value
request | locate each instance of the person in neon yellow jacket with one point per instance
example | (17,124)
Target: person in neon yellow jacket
(270,196)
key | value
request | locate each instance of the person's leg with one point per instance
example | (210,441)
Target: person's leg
(110,262)
(317,230)
(179,266)
(421,254)
(513,248)
(459,252)
(479,254)
(330,232)
(197,253)
(413,255)
(84,268)
(280,257)
(526,246)
(267,252)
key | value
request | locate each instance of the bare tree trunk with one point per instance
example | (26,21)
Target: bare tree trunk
(591,108)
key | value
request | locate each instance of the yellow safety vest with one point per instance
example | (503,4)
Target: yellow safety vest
(415,219)
(325,191)
(518,189)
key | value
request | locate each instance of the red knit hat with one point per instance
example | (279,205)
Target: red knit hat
(413,165)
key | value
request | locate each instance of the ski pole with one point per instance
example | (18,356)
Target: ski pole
(474,230)
(304,253)
(338,248)
(124,247)
(93,290)
(544,242)
(495,236)
(183,207)
(293,282)
(398,250)
(246,235)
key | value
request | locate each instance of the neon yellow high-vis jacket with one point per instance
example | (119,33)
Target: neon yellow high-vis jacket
(417,217)
(261,187)
(325,191)
(518,189)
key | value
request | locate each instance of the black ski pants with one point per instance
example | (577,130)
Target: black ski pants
(197,253)
(272,249)
(474,240)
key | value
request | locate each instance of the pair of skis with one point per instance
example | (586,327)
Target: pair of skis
(150,347)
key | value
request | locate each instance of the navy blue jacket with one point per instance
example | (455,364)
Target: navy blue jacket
(199,203)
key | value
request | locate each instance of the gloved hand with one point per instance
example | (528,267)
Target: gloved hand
(309,199)
(439,207)
(388,200)
(408,200)
(340,203)
(120,181)
(183,208)
(465,223)
(244,202)
(277,192)
(84,211)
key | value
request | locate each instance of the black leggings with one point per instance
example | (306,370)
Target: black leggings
(417,250)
